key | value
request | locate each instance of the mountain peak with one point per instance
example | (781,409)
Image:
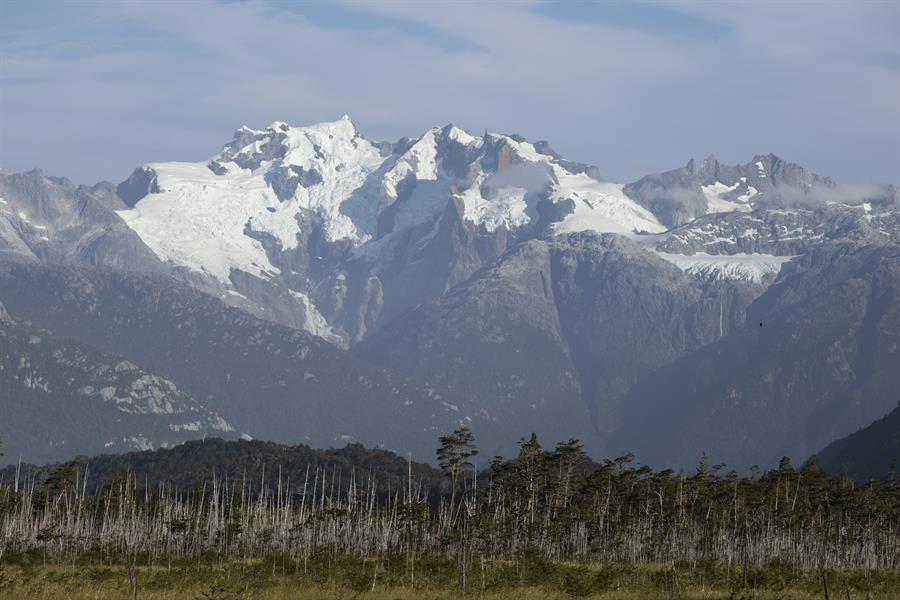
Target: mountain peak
(709,168)
(342,126)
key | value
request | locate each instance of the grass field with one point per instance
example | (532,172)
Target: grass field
(349,579)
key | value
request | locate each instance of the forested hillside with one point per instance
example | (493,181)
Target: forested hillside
(870,453)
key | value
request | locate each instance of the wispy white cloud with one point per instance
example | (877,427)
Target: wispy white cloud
(111,86)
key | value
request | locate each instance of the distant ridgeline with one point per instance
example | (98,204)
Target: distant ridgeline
(256,464)
(869,454)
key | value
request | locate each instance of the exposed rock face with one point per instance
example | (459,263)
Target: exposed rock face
(284,180)
(625,312)
(4,316)
(250,148)
(62,398)
(557,331)
(142,181)
(495,343)
(410,269)
(48,219)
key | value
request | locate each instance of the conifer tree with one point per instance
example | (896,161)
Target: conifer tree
(455,453)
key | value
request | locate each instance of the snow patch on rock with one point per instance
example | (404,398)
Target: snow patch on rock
(746,267)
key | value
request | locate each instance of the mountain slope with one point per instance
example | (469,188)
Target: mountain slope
(679,196)
(817,360)
(550,337)
(512,289)
(270,381)
(320,221)
(49,219)
(870,453)
(61,398)
(495,343)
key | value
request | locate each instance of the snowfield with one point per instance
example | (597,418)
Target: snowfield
(199,219)
(747,267)
(206,215)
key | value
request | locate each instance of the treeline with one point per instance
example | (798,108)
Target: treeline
(543,505)
(187,467)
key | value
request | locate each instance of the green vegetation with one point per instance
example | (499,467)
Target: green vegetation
(551,521)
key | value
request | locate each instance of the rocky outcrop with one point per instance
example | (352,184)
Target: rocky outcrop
(284,180)
(679,196)
(49,219)
(141,182)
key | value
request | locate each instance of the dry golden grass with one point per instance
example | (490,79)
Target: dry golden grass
(224,583)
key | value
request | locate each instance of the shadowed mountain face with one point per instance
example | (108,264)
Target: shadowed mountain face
(553,335)
(49,219)
(817,360)
(870,453)
(310,285)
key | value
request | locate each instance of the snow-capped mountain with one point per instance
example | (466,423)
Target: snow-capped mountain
(320,227)
(359,191)
(469,279)
(286,205)
(684,194)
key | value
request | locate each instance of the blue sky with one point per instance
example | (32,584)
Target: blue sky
(91,90)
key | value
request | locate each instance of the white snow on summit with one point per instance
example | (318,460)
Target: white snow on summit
(344,159)
(602,207)
(198,219)
(206,214)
